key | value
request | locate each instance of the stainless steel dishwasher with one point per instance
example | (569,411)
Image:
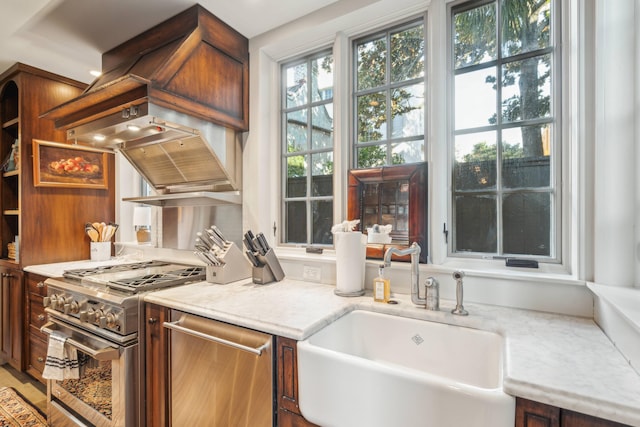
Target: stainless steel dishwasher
(221,374)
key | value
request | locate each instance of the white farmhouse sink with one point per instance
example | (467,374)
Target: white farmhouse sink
(371,369)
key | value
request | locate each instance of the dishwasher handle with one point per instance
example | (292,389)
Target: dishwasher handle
(177,327)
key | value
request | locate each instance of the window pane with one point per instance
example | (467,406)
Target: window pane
(371,63)
(297,131)
(296,85)
(296,176)
(407,54)
(475,99)
(322,78)
(475,224)
(372,117)
(407,152)
(296,220)
(526,164)
(407,111)
(322,211)
(475,161)
(322,174)
(371,156)
(370,206)
(475,36)
(525,29)
(526,91)
(527,224)
(322,126)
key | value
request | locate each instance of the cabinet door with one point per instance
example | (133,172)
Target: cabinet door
(574,419)
(156,366)
(287,385)
(12,294)
(534,414)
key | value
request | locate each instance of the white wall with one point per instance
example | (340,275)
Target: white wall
(616,210)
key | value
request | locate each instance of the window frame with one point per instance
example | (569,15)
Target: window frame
(558,163)
(388,141)
(305,58)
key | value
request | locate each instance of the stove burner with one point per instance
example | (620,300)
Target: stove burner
(159,280)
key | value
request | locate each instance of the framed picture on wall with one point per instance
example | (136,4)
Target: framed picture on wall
(68,166)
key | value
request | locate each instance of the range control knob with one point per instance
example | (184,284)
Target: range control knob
(71,307)
(87,315)
(46,301)
(109,321)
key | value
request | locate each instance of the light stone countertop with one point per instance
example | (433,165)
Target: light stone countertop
(559,360)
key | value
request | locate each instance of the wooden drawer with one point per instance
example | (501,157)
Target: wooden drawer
(35,285)
(38,353)
(37,315)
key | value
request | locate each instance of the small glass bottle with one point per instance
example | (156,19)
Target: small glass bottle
(381,287)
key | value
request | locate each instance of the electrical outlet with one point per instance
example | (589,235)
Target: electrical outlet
(311,273)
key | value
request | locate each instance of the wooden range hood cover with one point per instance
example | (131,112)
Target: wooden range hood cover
(192,63)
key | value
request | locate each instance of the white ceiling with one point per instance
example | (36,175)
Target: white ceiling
(68,37)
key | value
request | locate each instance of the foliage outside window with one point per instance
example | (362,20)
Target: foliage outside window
(389,97)
(307,159)
(504,200)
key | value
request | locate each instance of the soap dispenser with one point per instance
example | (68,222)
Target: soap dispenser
(381,287)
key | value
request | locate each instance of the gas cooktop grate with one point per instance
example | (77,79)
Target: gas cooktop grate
(159,280)
(85,272)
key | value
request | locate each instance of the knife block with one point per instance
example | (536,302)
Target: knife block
(236,267)
(269,271)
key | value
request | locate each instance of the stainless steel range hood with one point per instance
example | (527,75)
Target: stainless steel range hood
(174,101)
(174,152)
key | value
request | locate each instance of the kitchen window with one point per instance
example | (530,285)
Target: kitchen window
(389,97)
(307,150)
(505,168)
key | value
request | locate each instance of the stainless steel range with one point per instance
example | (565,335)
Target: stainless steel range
(98,311)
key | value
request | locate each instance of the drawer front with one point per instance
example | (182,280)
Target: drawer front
(36,285)
(37,316)
(37,353)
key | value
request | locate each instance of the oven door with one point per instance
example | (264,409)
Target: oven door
(105,394)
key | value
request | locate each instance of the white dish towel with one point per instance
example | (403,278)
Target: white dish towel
(62,359)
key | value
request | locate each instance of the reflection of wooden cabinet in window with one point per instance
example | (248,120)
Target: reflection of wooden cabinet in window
(395,195)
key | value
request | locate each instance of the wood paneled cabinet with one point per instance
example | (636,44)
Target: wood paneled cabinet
(535,414)
(287,385)
(38,224)
(11,322)
(35,317)
(156,350)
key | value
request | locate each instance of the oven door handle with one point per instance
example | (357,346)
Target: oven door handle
(176,327)
(107,353)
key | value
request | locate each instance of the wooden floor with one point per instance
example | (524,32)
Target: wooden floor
(34,391)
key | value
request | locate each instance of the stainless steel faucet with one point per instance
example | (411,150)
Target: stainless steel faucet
(459,310)
(431,285)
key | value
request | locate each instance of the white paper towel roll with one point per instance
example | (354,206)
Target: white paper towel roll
(351,252)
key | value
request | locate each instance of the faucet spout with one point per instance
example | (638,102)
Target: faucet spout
(414,251)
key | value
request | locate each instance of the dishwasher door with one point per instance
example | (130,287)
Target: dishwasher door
(221,374)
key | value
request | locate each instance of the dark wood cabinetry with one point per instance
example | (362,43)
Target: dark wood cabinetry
(287,385)
(11,294)
(156,343)
(38,225)
(535,414)
(48,221)
(35,318)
